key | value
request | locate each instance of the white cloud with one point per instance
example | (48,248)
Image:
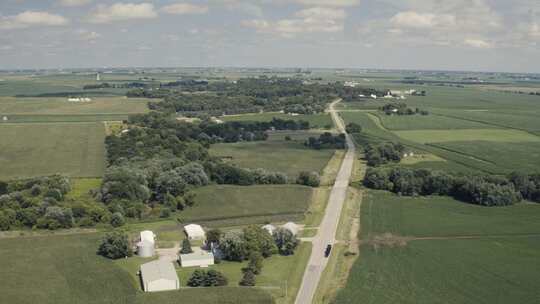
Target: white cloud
(311,20)
(412,19)
(74,2)
(534,30)
(122,12)
(32,18)
(184,9)
(477,43)
(331,3)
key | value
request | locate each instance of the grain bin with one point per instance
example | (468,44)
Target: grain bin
(145,249)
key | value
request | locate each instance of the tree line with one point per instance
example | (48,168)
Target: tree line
(485,190)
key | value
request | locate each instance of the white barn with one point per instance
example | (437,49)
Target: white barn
(199,258)
(159,275)
(195,232)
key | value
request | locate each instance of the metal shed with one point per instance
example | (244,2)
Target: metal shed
(159,275)
(194,232)
(199,258)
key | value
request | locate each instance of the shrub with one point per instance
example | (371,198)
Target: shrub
(311,179)
(115,245)
(117,219)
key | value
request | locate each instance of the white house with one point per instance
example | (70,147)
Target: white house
(194,232)
(292,227)
(199,258)
(148,235)
(373,96)
(159,275)
(74,99)
(270,228)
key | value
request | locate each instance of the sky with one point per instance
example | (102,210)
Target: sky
(472,35)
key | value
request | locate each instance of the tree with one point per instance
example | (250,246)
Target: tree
(248,279)
(197,278)
(117,219)
(233,246)
(255,262)
(259,241)
(311,179)
(186,247)
(115,245)
(286,242)
(353,128)
(125,183)
(202,278)
(213,236)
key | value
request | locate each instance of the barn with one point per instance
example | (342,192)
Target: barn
(159,275)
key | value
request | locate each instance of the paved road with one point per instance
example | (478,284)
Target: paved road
(327,229)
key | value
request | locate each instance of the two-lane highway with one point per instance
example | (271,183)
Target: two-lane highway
(327,230)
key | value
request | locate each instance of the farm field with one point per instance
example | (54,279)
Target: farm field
(67,270)
(520,156)
(75,149)
(467,156)
(429,122)
(276,154)
(489,135)
(425,250)
(315,121)
(241,203)
(61,106)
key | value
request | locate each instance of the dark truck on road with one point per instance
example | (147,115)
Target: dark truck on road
(327,250)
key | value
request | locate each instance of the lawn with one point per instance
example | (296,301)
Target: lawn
(240,203)
(276,154)
(315,120)
(438,250)
(65,269)
(75,149)
(495,135)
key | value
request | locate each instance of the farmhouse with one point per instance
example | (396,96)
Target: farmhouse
(292,227)
(194,232)
(159,275)
(270,228)
(199,258)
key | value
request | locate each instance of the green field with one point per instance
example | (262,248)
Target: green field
(438,250)
(429,122)
(518,156)
(66,269)
(241,203)
(75,149)
(276,154)
(51,107)
(492,135)
(315,120)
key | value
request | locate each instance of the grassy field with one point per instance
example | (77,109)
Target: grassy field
(276,154)
(76,150)
(220,202)
(66,269)
(437,250)
(315,120)
(493,135)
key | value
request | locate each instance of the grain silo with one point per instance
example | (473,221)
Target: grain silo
(145,249)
